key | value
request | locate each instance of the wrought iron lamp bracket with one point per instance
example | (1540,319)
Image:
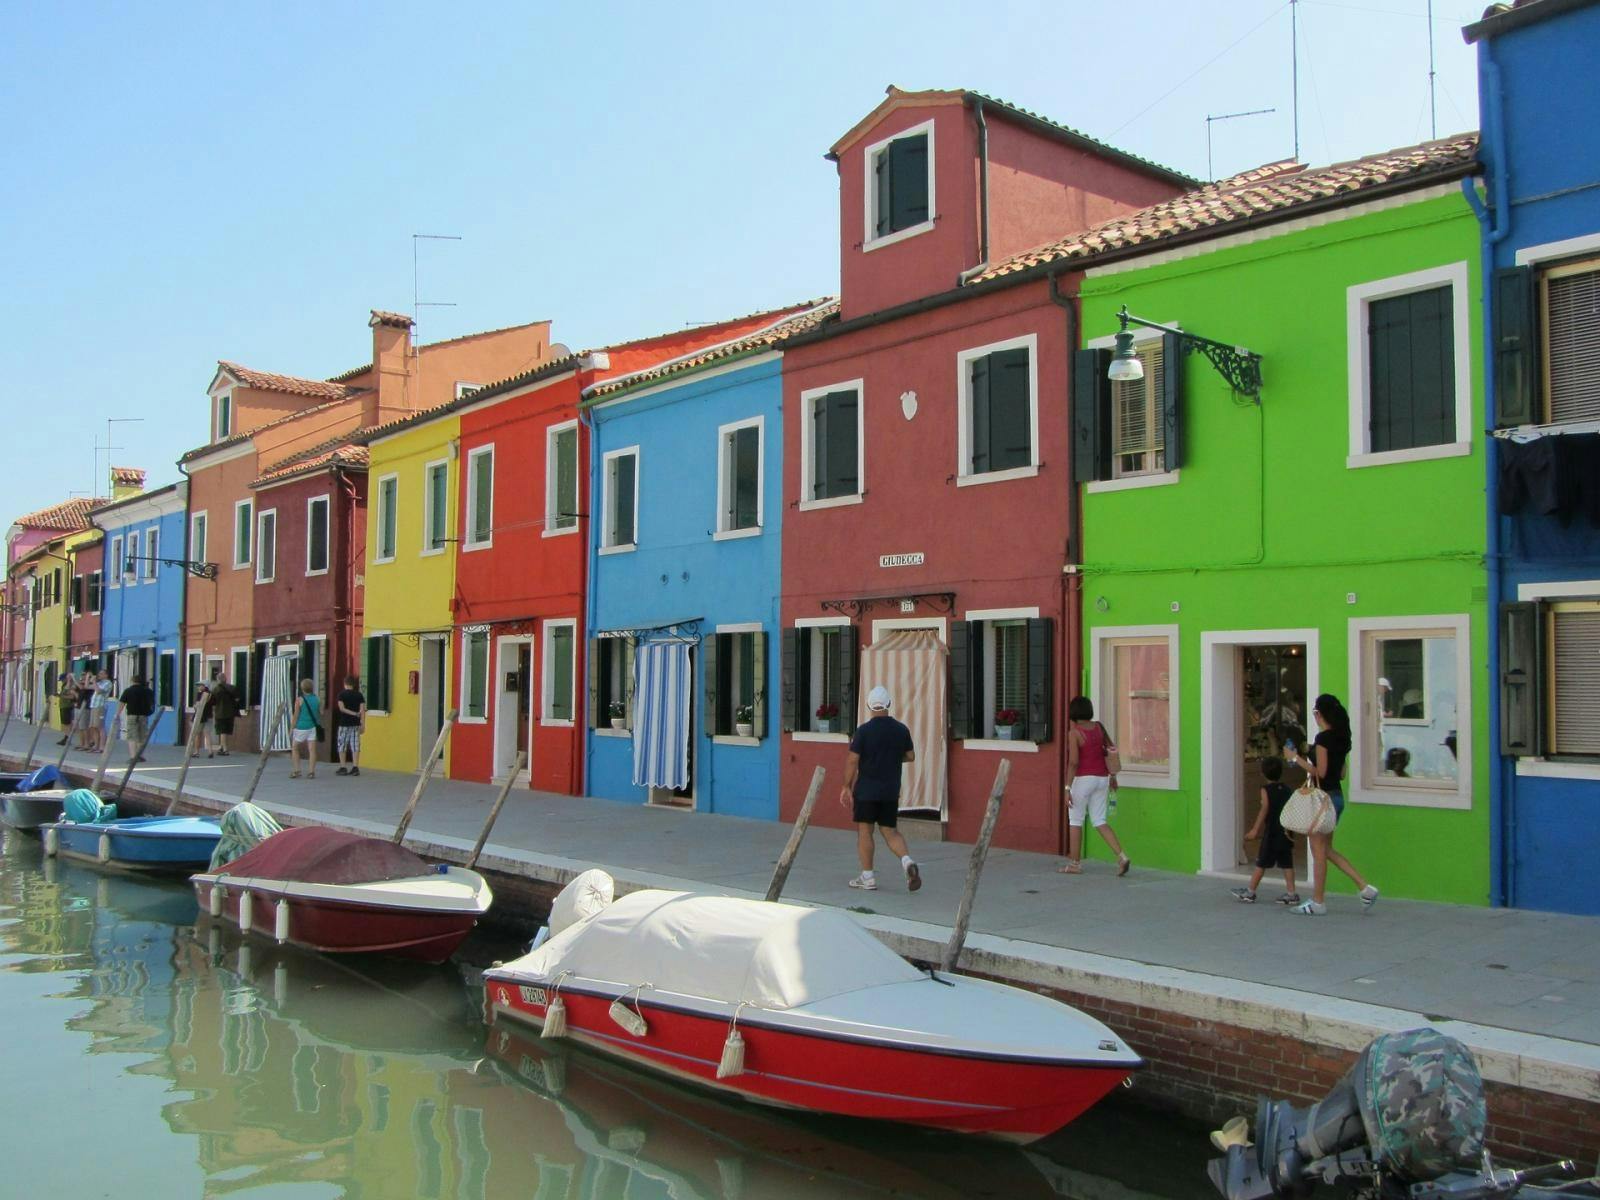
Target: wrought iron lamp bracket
(1240,367)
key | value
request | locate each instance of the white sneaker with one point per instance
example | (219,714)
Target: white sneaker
(1369,897)
(866,883)
(1310,909)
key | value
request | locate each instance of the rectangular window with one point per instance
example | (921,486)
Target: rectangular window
(375,664)
(480,496)
(114,562)
(610,681)
(435,506)
(224,415)
(739,476)
(166,679)
(1569,311)
(94,597)
(197,537)
(819,679)
(899,179)
(258,669)
(75,603)
(1572,639)
(152,551)
(1136,427)
(130,561)
(193,677)
(1002,676)
(558,671)
(388,516)
(1136,697)
(317,535)
(735,675)
(1413,680)
(475,675)
(999,415)
(244,527)
(831,449)
(267,546)
(239,673)
(621,498)
(561,478)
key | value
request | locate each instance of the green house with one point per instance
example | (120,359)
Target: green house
(1245,549)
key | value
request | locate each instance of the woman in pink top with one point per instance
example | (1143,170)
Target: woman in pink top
(1090,781)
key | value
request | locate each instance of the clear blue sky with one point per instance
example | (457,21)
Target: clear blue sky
(192,182)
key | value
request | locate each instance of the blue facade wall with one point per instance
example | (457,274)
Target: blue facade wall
(145,613)
(1541,150)
(679,571)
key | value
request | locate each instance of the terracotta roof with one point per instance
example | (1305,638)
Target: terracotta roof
(69,516)
(127,476)
(335,452)
(347,376)
(397,320)
(815,314)
(1274,192)
(268,382)
(236,439)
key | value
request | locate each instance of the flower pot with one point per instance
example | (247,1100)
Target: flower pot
(619,722)
(824,726)
(1008,733)
(744,729)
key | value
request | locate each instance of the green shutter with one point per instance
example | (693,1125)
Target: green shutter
(758,693)
(711,666)
(850,668)
(745,501)
(78,594)
(1041,679)
(792,689)
(381,660)
(908,184)
(1516,346)
(483,498)
(562,645)
(165,683)
(1010,424)
(978,417)
(1091,415)
(1521,679)
(439,505)
(1171,400)
(1411,371)
(844,443)
(962,706)
(566,479)
(624,533)
(628,647)
(596,667)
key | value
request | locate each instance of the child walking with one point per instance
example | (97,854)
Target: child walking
(1277,851)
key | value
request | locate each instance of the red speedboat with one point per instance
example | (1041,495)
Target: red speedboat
(803,1008)
(341,893)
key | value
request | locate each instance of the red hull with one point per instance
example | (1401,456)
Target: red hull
(1016,1100)
(333,927)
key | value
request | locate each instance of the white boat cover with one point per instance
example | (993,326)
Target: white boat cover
(720,948)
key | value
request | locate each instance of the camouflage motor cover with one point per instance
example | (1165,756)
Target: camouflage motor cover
(1421,1099)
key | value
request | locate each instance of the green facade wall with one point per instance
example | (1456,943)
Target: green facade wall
(1267,527)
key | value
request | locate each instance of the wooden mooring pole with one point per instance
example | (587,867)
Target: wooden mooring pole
(78,722)
(980,851)
(802,822)
(27,763)
(499,803)
(189,748)
(107,730)
(424,775)
(266,749)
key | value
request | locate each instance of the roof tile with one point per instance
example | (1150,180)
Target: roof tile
(267,381)
(68,516)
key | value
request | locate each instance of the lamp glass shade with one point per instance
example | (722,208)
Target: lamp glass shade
(1126,366)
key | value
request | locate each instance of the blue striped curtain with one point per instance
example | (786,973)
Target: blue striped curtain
(661,715)
(276,683)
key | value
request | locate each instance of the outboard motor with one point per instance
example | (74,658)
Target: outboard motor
(1409,1111)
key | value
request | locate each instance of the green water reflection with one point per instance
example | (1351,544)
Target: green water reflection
(148,1055)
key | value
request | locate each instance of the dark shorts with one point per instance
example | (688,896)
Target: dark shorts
(877,812)
(223,724)
(1276,853)
(1337,797)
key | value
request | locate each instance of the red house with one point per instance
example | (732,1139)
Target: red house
(929,536)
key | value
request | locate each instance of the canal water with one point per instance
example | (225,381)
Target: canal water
(148,1053)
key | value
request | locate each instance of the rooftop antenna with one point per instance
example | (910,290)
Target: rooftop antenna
(1294,59)
(417,303)
(1433,111)
(1254,112)
(108,448)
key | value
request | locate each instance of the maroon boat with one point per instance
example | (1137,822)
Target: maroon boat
(341,893)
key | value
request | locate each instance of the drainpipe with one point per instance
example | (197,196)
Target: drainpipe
(1496,225)
(590,565)
(983,183)
(1071,557)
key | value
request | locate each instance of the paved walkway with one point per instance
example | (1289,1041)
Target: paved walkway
(1525,971)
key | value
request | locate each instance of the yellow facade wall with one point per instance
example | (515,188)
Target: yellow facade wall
(408,597)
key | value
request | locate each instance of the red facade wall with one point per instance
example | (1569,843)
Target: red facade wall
(85,634)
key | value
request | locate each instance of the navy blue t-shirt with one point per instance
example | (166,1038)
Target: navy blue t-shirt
(883,744)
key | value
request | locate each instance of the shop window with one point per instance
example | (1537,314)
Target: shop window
(1413,720)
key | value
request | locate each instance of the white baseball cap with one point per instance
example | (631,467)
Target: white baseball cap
(878,698)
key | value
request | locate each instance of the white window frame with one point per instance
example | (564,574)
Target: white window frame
(734,739)
(609,499)
(989,741)
(361,670)
(870,242)
(152,551)
(128,568)
(470,540)
(1103,640)
(1363,783)
(197,543)
(326,500)
(191,656)
(1358,300)
(466,665)
(724,444)
(964,473)
(222,401)
(811,735)
(551,509)
(320,684)
(808,408)
(113,576)
(380,525)
(242,686)
(1127,483)
(547,673)
(240,564)
(463,387)
(427,506)
(1556,591)
(266,571)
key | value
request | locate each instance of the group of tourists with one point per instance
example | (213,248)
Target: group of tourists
(85,705)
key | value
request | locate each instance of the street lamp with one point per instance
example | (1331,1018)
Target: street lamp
(1240,367)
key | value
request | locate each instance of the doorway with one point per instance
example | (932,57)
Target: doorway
(682,797)
(514,710)
(430,693)
(1256,690)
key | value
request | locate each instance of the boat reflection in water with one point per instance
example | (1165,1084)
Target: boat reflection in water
(314,1077)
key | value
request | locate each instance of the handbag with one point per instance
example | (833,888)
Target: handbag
(1309,810)
(1113,756)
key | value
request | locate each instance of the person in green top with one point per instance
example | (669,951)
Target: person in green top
(307,724)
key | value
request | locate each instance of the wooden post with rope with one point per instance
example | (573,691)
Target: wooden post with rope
(189,745)
(149,732)
(499,803)
(780,873)
(105,751)
(266,749)
(423,776)
(27,763)
(980,851)
(78,724)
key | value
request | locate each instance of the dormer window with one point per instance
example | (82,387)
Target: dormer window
(899,186)
(224,415)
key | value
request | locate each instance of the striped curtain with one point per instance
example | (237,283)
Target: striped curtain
(277,682)
(661,715)
(912,664)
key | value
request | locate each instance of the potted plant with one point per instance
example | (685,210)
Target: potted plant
(1008,724)
(825,714)
(744,720)
(619,714)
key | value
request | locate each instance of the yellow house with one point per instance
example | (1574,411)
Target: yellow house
(48,570)
(409,579)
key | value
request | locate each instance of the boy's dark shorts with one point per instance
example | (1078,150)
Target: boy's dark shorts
(877,812)
(1276,853)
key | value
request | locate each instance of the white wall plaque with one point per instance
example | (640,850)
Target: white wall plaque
(901,560)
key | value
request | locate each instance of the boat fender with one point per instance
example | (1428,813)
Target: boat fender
(246,911)
(555,1011)
(732,1050)
(631,1020)
(52,841)
(218,895)
(442,868)
(103,853)
(281,925)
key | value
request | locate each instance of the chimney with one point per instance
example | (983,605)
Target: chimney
(125,482)
(391,395)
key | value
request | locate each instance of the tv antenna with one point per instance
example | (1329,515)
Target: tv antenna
(1254,112)
(417,304)
(1294,67)
(1433,111)
(108,448)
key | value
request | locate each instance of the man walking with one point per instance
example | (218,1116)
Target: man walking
(138,702)
(872,788)
(350,719)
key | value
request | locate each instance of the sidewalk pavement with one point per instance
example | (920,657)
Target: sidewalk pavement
(1530,972)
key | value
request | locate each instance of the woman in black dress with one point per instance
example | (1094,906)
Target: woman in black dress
(1330,749)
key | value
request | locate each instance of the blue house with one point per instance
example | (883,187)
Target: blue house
(684,562)
(1539,93)
(141,621)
